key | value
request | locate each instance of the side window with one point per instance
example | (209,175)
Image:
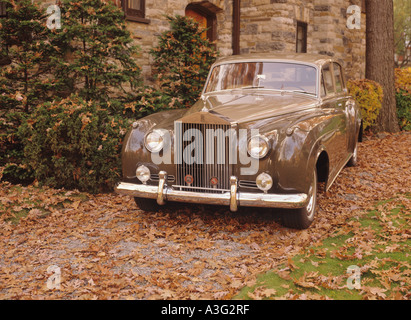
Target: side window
(322,86)
(328,79)
(338,77)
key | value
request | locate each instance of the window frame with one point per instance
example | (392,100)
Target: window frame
(337,66)
(3,14)
(323,91)
(236,27)
(209,15)
(304,27)
(3,9)
(342,75)
(133,14)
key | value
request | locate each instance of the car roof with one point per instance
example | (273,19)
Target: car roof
(309,58)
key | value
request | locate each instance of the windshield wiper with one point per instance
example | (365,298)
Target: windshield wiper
(251,87)
(301,91)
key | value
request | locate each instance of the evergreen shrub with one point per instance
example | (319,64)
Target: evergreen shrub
(74,144)
(182,59)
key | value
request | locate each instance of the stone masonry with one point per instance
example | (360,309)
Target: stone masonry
(265,26)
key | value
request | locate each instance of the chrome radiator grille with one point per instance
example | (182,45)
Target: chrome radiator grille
(204,158)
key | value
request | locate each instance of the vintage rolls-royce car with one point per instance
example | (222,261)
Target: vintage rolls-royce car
(266,130)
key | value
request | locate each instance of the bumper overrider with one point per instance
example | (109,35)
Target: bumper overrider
(232,198)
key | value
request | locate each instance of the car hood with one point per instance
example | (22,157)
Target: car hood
(241,107)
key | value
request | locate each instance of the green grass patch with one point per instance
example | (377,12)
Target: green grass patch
(375,247)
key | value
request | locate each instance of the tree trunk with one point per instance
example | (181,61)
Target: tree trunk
(380,59)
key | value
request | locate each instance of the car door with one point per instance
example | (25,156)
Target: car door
(334,105)
(348,104)
(342,104)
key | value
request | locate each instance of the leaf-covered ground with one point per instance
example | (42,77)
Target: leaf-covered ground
(105,248)
(368,258)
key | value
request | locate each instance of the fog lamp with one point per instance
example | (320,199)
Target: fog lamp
(264,181)
(143,173)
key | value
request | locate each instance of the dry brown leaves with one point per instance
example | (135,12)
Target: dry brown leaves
(105,248)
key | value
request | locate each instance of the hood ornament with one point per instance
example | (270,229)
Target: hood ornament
(205,99)
(205,109)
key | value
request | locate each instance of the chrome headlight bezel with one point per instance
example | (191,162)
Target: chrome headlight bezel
(154,140)
(258,146)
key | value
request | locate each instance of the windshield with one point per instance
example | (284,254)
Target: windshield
(263,75)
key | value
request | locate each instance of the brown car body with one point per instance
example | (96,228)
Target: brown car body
(311,137)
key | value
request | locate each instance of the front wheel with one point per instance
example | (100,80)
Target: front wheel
(303,217)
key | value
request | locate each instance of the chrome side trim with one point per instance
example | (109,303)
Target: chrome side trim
(233,198)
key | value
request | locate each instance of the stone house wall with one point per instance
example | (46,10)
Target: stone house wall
(265,26)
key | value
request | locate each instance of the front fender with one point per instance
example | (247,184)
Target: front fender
(298,152)
(134,153)
(293,158)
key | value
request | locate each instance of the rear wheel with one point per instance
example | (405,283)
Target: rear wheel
(303,217)
(148,205)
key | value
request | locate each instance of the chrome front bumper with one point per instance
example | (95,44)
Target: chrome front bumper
(233,198)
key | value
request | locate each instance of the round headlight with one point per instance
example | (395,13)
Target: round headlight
(258,147)
(264,181)
(143,173)
(154,141)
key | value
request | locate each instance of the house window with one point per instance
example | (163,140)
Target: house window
(3,12)
(236,26)
(301,37)
(200,19)
(3,50)
(135,10)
